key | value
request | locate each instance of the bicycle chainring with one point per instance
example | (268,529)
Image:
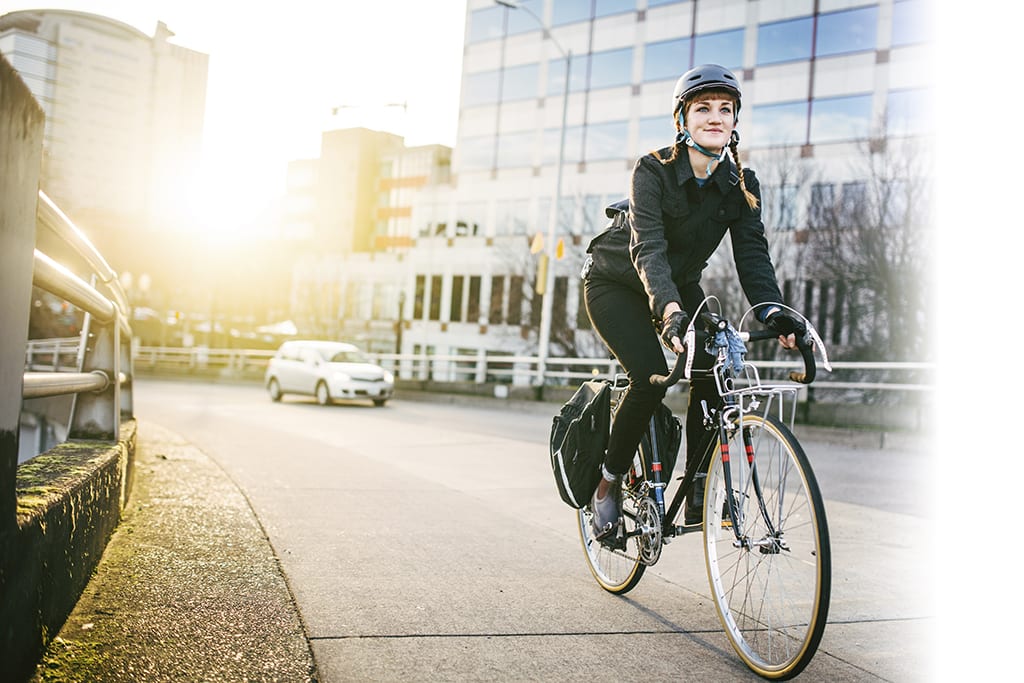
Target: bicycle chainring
(648,526)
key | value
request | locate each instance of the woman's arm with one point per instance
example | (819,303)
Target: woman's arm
(647,244)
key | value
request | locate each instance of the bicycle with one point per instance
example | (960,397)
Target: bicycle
(766,541)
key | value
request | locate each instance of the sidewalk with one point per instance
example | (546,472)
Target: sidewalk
(188,588)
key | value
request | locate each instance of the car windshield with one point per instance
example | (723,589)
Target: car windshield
(345,357)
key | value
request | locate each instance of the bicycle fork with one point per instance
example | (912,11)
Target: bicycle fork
(771,542)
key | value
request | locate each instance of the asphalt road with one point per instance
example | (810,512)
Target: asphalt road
(424,541)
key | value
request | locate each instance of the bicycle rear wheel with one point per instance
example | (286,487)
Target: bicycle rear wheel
(619,569)
(771,586)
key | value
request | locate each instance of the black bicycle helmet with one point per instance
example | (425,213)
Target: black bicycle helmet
(705,77)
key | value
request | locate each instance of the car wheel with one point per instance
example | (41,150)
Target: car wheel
(323,396)
(274,389)
(379,402)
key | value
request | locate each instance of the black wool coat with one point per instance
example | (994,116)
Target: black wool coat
(673,226)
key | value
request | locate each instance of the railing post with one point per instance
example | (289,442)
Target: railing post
(21,149)
(97,414)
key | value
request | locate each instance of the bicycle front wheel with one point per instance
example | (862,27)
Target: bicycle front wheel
(768,557)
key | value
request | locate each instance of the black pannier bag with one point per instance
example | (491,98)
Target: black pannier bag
(579,437)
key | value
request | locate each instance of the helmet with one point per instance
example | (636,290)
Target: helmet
(704,77)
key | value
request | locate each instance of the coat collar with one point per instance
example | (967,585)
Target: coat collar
(725,176)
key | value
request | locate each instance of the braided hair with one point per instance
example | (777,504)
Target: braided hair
(733,144)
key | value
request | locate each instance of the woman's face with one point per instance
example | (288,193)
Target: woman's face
(711,121)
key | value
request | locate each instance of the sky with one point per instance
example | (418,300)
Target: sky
(276,71)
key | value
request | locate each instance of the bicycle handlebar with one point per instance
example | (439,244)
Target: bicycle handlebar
(802,345)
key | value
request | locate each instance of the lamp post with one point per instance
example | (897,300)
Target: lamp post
(547,302)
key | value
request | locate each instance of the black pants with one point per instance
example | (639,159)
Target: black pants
(622,319)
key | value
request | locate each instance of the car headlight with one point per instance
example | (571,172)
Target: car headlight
(388,377)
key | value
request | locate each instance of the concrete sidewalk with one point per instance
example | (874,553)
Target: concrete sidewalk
(188,588)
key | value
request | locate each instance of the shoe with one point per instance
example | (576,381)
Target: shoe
(607,511)
(694,512)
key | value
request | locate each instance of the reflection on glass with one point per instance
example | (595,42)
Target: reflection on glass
(480,88)
(570,11)
(611,68)
(573,145)
(666,60)
(784,41)
(606,141)
(850,31)
(841,118)
(654,133)
(604,8)
(725,48)
(577,75)
(486,23)
(911,22)
(515,149)
(778,124)
(520,82)
(908,112)
(521,20)
(476,153)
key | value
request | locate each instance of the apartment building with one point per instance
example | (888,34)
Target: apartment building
(826,83)
(124,114)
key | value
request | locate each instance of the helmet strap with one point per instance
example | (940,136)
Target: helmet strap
(685,138)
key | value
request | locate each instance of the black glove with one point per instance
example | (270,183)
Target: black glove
(784,323)
(673,326)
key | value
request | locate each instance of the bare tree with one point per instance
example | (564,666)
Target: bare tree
(872,241)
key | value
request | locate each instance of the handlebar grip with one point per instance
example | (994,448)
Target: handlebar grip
(810,370)
(673,376)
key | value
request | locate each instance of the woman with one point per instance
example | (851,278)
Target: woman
(682,201)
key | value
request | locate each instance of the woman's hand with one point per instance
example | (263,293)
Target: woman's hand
(673,322)
(787,326)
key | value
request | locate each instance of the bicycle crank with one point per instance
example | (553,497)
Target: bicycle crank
(648,526)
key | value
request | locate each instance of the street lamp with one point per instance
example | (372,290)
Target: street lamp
(547,302)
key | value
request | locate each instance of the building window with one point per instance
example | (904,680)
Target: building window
(911,22)
(476,153)
(778,124)
(781,207)
(480,88)
(486,24)
(577,75)
(841,118)
(725,48)
(604,8)
(417,302)
(573,145)
(845,32)
(570,12)
(470,218)
(511,216)
(515,300)
(473,304)
(559,308)
(520,82)
(521,21)
(515,150)
(854,198)
(654,133)
(666,60)
(494,317)
(435,297)
(455,314)
(611,68)
(606,141)
(785,41)
(908,112)
(822,209)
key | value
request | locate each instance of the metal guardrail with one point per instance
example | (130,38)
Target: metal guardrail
(518,370)
(97,366)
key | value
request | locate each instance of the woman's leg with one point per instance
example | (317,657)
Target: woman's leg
(622,319)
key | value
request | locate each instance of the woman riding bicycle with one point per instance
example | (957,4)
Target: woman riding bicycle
(647,267)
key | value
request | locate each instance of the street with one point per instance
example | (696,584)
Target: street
(425,541)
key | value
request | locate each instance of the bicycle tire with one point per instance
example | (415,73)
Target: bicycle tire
(771,592)
(617,570)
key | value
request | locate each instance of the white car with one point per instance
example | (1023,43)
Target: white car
(328,371)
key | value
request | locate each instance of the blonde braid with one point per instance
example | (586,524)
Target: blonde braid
(750,197)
